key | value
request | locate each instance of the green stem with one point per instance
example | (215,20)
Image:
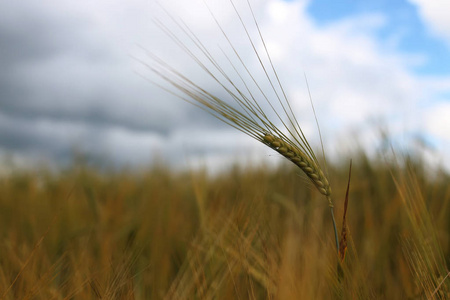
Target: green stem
(334,224)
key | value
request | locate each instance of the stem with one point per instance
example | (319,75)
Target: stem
(334,224)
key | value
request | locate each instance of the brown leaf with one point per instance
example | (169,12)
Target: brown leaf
(343,240)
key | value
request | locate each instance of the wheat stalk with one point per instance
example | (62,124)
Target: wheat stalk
(248,116)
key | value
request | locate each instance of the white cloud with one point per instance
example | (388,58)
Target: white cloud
(353,75)
(438,121)
(437,125)
(435,15)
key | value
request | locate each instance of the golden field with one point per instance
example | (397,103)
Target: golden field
(248,233)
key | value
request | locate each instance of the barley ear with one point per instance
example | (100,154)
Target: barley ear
(240,107)
(303,161)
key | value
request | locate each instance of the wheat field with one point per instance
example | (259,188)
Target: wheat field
(245,234)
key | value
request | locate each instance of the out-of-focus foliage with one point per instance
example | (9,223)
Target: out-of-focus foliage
(245,234)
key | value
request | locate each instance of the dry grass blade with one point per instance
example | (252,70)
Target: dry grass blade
(440,285)
(421,246)
(343,240)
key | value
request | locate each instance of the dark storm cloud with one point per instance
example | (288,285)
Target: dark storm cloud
(32,140)
(63,84)
(30,33)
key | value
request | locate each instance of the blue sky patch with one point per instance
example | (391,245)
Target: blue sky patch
(403,26)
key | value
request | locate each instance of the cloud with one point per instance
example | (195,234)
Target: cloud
(353,75)
(438,122)
(434,14)
(437,125)
(68,81)
(356,78)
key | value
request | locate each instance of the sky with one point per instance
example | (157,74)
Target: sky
(73,79)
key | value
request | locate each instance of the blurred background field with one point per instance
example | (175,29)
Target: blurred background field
(193,227)
(247,233)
